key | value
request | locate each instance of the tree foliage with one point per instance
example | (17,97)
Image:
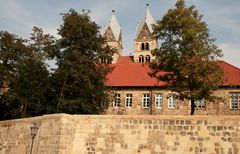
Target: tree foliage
(187,55)
(27,88)
(12,49)
(26,77)
(80,77)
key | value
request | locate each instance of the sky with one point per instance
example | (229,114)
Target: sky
(222,17)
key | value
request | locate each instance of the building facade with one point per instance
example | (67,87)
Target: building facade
(134,92)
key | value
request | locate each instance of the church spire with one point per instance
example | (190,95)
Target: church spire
(112,32)
(148,20)
(114,26)
(144,41)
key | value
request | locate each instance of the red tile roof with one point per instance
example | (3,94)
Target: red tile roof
(127,73)
(231,73)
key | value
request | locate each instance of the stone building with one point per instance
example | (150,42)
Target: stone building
(135,92)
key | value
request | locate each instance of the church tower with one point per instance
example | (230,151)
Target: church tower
(144,42)
(113,34)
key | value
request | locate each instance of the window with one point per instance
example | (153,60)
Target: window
(147,58)
(171,101)
(147,46)
(200,104)
(158,100)
(106,60)
(142,46)
(128,101)
(102,60)
(109,61)
(116,102)
(235,100)
(141,59)
(146,101)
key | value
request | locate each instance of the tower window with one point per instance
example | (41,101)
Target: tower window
(141,59)
(148,58)
(147,46)
(142,46)
(106,60)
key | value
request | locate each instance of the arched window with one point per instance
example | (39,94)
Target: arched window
(147,46)
(102,60)
(147,58)
(106,60)
(141,59)
(109,61)
(142,46)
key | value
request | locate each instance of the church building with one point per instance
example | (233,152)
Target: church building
(135,92)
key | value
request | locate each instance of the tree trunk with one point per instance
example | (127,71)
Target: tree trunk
(192,107)
(151,105)
(23,109)
(61,96)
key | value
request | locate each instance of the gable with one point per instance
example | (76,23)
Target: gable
(109,35)
(144,33)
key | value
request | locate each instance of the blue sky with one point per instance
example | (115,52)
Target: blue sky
(222,17)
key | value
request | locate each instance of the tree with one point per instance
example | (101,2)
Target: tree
(28,91)
(12,49)
(187,55)
(27,76)
(80,78)
(43,46)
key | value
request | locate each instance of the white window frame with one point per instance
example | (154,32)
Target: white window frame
(158,100)
(171,101)
(200,104)
(117,101)
(128,101)
(234,100)
(146,100)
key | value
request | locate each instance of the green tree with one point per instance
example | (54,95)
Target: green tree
(12,49)
(27,77)
(80,78)
(187,55)
(28,91)
(43,46)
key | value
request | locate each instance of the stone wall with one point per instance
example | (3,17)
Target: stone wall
(83,134)
(220,107)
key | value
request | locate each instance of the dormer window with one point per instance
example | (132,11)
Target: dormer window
(141,59)
(147,58)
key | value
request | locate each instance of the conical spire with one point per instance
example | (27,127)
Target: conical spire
(113,25)
(148,20)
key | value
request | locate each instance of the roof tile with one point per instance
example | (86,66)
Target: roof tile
(127,73)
